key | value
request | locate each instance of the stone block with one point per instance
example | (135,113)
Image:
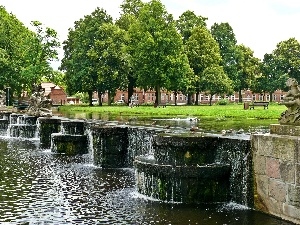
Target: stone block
(294,196)
(292,212)
(264,144)
(260,165)
(262,186)
(272,168)
(277,190)
(285,148)
(287,172)
(274,206)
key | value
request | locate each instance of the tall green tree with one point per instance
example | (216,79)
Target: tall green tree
(42,49)
(185,24)
(130,11)
(248,69)
(81,69)
(204,57)
(112,60)
(224,35)
(156,49)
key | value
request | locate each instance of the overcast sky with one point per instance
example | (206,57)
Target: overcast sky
(258,24)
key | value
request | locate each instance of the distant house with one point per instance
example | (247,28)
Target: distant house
(55,93)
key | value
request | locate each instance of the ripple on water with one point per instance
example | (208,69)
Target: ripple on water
(39,187)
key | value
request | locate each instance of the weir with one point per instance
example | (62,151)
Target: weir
(190,167)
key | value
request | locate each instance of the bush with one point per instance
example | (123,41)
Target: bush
(222,102)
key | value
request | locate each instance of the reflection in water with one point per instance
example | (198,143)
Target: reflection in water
(39,187)
(205,124)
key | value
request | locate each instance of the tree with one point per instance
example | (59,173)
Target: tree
(187,22)
(156,49)
(204,54)
(248,69)
(129,14)
(42,49)
(215,81)
(109,52)
(224,35)
(81,69)
(24,55)
(287,54)
(271,78)
(185,25)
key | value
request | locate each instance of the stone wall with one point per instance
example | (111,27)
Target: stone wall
(276,161)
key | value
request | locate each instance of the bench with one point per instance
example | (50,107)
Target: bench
(264,104)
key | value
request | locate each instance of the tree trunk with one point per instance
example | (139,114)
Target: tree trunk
(108,98)
(90,93)
(240,96)
(175,97)
(99,98)
(197,98)
(130,88)
(189,102)
(157,95)
(210,99)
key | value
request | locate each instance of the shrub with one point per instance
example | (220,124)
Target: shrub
(222,102)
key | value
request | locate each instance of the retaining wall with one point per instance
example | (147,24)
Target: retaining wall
(276,161)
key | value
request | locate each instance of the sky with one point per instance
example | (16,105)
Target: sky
(257,24)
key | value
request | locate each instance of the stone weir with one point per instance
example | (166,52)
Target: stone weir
(190,168)
(197,169)
(72,138)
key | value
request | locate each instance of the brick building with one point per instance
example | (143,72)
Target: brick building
(142,96)
(55,93)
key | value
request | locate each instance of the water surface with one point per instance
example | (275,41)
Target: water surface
(40,187)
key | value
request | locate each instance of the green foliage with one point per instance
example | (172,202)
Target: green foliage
(156,49)
(24,55)
(224,35)
(287,55)
(187,22)
(222,102)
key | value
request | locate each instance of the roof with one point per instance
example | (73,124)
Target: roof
(47,86)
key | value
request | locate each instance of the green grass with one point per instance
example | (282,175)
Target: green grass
(217,111)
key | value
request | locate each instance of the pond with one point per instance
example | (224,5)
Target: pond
(41,187)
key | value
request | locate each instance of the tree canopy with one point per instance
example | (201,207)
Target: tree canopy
(156,49)
(25,55)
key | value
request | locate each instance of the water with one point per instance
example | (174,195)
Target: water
(40,187)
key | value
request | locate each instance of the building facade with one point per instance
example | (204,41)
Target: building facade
(148,97)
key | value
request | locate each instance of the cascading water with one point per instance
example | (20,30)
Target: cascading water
(23,126)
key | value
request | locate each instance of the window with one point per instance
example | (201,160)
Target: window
(122,96)
(267,97)
(136,96)
(253,97)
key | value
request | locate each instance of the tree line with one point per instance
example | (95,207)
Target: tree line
(145,47)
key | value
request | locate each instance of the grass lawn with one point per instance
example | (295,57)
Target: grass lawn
(218,111)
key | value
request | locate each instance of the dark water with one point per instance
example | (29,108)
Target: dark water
(39,187)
